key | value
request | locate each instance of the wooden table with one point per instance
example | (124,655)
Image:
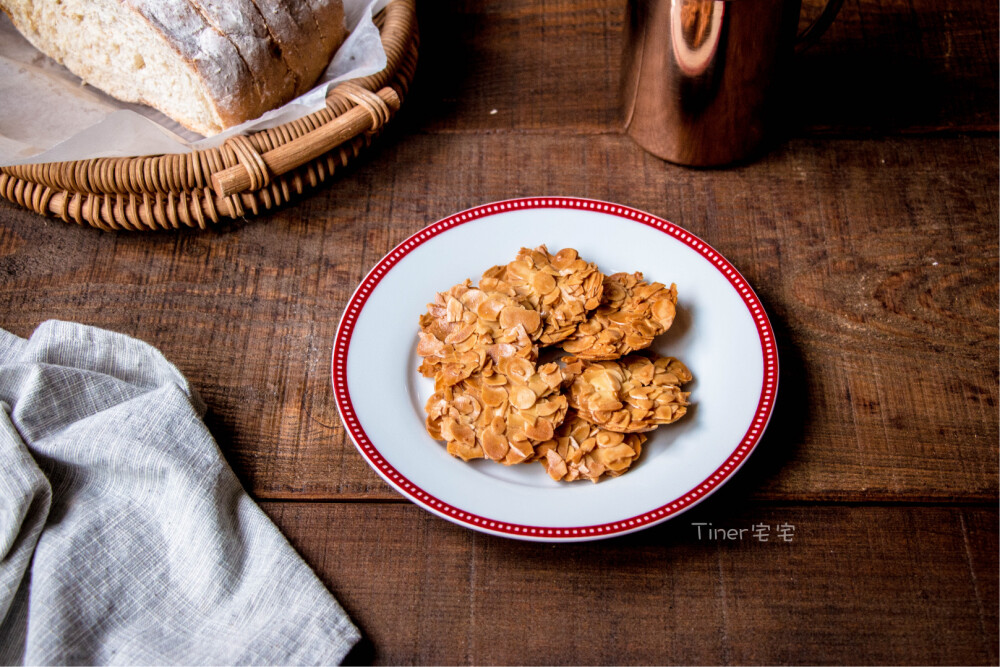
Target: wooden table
(869,232)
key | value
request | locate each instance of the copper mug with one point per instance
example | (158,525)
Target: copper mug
(700,77)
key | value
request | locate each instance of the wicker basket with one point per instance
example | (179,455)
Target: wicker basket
(246,175)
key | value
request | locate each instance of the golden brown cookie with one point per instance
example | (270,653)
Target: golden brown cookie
(501,412)
(581,450)
(631,395)
(631,314)
(466,327)
(563,288)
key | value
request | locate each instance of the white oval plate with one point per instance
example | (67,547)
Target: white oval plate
(721,333)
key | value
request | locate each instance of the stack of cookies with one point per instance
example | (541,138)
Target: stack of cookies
(582,416)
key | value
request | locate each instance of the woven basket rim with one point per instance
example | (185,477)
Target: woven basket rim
(248,174)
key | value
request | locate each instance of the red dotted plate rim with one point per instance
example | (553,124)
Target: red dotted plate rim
(699,492)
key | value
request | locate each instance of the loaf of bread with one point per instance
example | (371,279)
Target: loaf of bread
(208,64)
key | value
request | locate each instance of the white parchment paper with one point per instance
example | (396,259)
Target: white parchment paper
(48,115)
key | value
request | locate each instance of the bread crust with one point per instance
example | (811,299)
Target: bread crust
(248,56)
(241,23)
(219,65)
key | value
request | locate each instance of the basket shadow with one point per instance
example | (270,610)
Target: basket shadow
(448,60)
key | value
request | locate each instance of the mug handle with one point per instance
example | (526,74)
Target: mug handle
(811,35)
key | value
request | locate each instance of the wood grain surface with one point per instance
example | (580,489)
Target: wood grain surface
(889,66)
(871,257)
(851,585)
(869,231)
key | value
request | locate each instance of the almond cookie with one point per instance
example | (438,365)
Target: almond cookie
(563,288)
(631,395)
(581,450)
(501,412)
(466,327)
(631,314)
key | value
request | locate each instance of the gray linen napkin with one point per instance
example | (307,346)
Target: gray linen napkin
(124,536)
